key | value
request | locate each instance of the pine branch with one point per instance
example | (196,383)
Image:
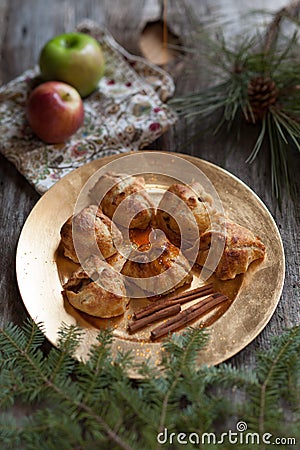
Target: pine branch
(260,84)
(290,11)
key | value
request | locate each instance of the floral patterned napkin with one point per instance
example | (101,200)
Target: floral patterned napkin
(126,112)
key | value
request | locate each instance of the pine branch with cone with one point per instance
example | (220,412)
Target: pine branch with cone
(262,93)
(260,82)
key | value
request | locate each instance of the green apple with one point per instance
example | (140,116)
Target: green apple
(76,59)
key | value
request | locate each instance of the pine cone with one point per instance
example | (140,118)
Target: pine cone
(262,93)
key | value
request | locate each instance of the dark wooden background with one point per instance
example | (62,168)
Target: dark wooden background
(25,25)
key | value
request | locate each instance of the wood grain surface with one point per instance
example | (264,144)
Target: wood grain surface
(25,25)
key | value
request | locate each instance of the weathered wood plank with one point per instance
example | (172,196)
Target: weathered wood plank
(17,198)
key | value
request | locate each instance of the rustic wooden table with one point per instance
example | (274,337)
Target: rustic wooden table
(26,25)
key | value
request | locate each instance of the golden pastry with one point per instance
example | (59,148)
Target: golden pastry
(103,295)
(158,267)
(137,208)
(172,213)
(241,248)
(89,228)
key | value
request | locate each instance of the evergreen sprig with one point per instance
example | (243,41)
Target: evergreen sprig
(96,405)
(271,64)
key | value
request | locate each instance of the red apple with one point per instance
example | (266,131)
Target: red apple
(54,111)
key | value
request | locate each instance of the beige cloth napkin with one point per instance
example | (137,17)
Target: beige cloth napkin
(126,112)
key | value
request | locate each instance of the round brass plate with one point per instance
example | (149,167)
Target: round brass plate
(41,270)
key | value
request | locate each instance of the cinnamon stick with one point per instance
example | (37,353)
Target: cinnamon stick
(187,315)
(162,314)
(180,298)
(192,292)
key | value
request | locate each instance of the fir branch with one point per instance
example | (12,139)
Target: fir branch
(13,341)
(90,374)
(272,371)
(181,353)
(182,349)
(226,375)
(97,405)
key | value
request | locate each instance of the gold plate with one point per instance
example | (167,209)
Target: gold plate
(41,269)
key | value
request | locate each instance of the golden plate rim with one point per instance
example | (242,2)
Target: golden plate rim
(223,343)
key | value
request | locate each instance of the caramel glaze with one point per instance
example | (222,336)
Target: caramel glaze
(140,237)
